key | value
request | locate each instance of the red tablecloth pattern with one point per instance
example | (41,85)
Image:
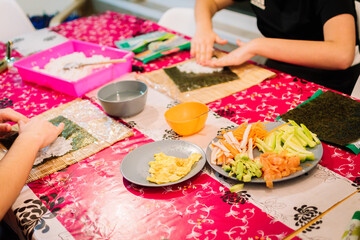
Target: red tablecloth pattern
(93,201)
(26,98)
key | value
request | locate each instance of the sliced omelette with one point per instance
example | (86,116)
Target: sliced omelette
(169,168)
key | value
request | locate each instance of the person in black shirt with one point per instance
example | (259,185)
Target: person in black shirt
(311,39)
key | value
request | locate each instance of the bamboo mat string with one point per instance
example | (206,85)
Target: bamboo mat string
(249,75)
(292,235)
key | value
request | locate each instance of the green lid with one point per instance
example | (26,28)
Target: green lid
(356,215)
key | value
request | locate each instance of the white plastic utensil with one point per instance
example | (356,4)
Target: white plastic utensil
(75,65)
(201,114)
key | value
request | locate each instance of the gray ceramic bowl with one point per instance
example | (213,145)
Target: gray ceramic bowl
(124,98)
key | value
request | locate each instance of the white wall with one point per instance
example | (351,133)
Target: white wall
(228,24)
(39,7)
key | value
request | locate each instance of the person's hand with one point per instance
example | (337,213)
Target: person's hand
(42,131)
(9,115)
(202,45)
(238,56)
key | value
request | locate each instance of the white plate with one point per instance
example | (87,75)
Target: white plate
(135,165)
(306,166)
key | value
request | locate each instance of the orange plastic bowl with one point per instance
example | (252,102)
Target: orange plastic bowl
(187,118)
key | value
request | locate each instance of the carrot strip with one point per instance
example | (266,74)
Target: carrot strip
(257,130)
(229,147)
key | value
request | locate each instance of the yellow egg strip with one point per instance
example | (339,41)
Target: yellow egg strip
(169,168)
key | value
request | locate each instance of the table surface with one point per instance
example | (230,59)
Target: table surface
(91,199)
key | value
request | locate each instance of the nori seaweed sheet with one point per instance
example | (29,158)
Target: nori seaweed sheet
(333,117)
(191,81)
(80,137)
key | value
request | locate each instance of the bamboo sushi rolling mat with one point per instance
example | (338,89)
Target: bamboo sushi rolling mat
(106,130)
(249,75)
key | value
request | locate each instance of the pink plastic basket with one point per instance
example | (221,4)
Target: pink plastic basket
(77,88)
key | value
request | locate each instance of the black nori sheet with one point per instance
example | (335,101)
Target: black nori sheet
(333,117)
(80,137)
(191,81)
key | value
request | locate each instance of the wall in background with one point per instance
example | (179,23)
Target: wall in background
(40,7)
(229,24)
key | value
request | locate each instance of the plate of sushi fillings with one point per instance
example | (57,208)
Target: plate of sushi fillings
(265,152)
(163,163)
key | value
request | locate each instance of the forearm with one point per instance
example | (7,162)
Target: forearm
(206,9)
(315,54)
(335,52)
(15,168)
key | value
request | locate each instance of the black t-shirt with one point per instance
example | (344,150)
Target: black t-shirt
(299,19)
(304,20)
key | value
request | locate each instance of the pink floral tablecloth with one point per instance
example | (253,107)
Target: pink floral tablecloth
(93,201)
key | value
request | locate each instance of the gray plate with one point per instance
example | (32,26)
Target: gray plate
(135,165)
(306,166)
